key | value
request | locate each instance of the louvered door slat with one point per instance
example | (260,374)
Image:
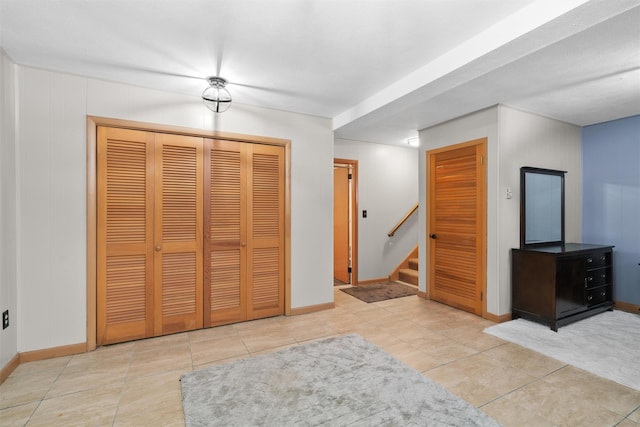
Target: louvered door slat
(265,278)
(126,289)
(225,281)
(125,232)
(179,193)
(266,196)
(179,296)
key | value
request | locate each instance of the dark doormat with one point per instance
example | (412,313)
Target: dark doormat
(380,291)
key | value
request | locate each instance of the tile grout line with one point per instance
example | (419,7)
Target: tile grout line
(124,383)
(524,385)
(626,417)
(48,390)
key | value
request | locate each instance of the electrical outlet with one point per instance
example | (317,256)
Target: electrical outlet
(5,319)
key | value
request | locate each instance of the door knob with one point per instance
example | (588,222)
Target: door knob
(243,244)
(158,247)
(433,236)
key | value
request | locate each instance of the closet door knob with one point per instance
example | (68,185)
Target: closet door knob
(243,244)
(433,236)
(158,247)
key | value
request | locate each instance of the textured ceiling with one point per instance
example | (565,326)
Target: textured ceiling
(381,69)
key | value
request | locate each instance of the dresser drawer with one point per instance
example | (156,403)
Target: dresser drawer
(596,295)
(597,277)
(596,260)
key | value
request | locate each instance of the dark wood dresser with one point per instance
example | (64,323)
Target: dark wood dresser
(560,284)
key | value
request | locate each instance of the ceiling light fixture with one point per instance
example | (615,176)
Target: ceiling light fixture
(414,141)
(216,97)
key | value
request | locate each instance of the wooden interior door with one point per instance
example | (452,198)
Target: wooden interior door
(225,298)
(244,226)
(149,244)
(265,229)
(125,300)
(341,224)
(178,244)
(457,218)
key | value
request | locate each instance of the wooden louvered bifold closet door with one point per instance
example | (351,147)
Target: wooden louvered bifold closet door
(265,223)
(225,299)
(125,235)
(244,231)
(178,233)
(149,243)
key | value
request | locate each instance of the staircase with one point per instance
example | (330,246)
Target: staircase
(409,274)
(407,270)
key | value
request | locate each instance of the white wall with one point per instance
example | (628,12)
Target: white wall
(387,189)
(482,124)
(52,109)
(530,140)
(8,273)
(515,139)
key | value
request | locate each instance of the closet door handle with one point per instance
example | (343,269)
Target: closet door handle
(433,236)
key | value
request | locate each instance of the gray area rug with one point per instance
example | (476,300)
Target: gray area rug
(607,344)
(334,382)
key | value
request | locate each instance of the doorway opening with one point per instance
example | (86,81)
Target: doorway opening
(345,222)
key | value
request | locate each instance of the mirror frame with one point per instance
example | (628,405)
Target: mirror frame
(523,205)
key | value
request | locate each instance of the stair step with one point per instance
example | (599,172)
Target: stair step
(413,263)
(409,275)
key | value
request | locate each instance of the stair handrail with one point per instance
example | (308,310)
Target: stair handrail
(402,221)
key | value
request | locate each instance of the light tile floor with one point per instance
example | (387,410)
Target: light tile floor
(136,383)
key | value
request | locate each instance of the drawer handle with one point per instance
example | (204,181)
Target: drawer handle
(603,293)
(590,279)
(602,258)
(603,275)
(590,297)
(589,260)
